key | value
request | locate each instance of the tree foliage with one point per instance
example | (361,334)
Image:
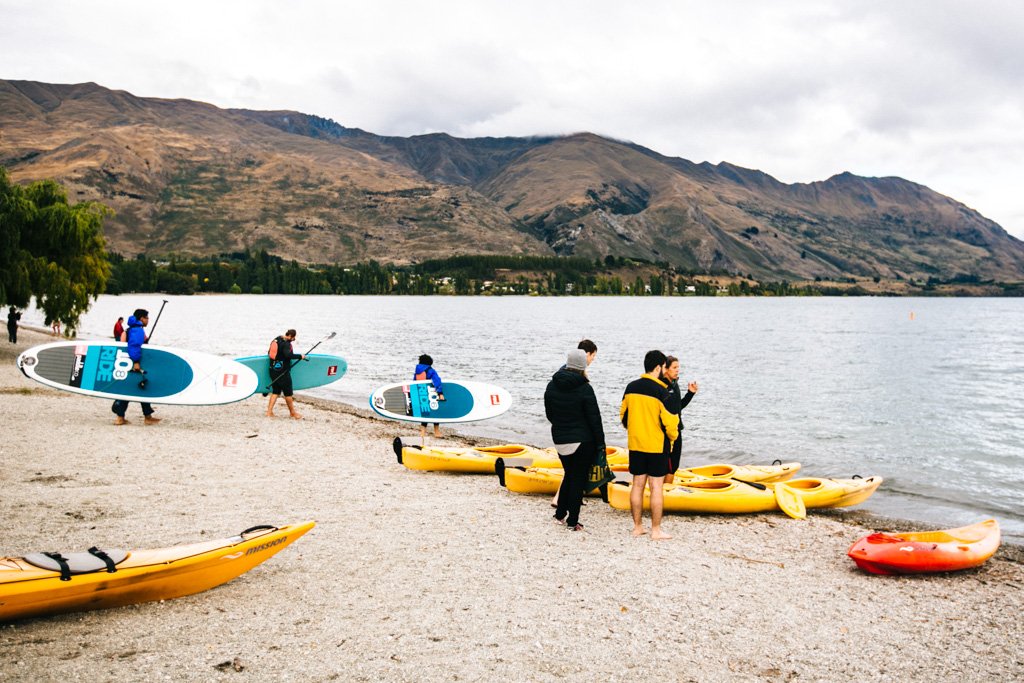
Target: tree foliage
(50,250)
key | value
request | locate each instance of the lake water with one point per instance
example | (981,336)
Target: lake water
(918,391)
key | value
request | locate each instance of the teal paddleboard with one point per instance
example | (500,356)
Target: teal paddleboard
(316,370)
(103,369)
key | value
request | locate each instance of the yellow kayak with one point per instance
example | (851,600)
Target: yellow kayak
(482,459)
(736,497)
(762,474)
(544,479)
(479,460)
(834,493)
(37,584)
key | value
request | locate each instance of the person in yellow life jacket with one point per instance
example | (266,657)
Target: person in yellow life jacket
(425,370)
(648,423)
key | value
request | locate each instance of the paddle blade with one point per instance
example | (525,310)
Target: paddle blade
(790,501)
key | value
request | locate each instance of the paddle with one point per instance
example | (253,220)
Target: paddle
(788,500)
(158,313)
(332,335)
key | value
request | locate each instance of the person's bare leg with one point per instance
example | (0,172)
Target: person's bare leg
(290,402)
(657,508)
(636,503)
(270,405)
(423,436)
(437,431)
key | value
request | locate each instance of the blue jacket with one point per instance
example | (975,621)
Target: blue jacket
(136,338)
(431,374)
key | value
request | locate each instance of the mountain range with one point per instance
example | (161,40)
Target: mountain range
(189,178)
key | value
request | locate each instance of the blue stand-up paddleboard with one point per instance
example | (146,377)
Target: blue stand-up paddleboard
(315,370)
(173,376)
(418,401)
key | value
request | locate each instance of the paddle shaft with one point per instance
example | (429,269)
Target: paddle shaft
(158,313)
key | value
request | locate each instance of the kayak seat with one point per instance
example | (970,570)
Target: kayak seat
(93,560)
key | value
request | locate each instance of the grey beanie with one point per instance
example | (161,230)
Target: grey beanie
(577,360)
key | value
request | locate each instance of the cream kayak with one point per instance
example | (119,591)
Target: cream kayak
(39,584)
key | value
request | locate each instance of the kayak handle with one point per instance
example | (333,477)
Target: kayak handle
(258,527)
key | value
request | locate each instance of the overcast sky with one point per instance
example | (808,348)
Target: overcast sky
(929,90)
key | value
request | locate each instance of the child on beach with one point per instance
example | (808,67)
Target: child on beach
(424,370)
(135,335)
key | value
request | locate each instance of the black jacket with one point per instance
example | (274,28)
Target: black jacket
(676,401)
(571,408)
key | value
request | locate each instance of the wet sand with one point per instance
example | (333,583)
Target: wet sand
(416,576)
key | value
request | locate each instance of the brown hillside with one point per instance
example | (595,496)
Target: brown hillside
(188,177)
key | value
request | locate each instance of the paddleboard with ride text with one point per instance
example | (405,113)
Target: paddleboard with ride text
(417,401)
(315,370)
(173,376)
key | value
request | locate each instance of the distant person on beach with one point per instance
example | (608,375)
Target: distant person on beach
(12,325)
(118,328)
(425,370)
(120,408)
(571,407)
(281,359)
(135,335)
(55,327)
(648,423)
(675,403)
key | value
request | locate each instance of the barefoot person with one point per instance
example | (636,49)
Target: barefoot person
(647,424)
(281,358)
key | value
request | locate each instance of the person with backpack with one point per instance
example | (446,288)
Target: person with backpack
(576,430)
(425,370)
(281,358)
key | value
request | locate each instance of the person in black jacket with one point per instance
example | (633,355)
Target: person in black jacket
(571,408)
(675,403)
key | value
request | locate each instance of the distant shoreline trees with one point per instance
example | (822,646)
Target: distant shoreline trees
(260,272)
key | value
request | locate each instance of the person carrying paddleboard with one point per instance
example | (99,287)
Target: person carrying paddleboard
(281,359)
(135,335)
(424,370)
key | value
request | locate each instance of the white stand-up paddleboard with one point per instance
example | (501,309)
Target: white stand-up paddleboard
(173,376)
(417,401)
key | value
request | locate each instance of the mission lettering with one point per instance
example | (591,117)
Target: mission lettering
(264,546)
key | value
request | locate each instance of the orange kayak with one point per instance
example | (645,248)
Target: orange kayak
(927,551)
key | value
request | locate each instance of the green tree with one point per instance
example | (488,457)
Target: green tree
(51,250)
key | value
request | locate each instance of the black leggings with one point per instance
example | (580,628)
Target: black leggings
(577,469)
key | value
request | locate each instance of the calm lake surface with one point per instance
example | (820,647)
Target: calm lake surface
(918,391)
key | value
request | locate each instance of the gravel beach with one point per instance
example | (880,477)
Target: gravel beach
(417,576)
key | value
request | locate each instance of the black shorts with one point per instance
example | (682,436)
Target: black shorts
(651,464)
(281,382)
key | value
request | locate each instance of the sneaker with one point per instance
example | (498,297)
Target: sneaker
(578,527)
(152,420)
(120,421)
